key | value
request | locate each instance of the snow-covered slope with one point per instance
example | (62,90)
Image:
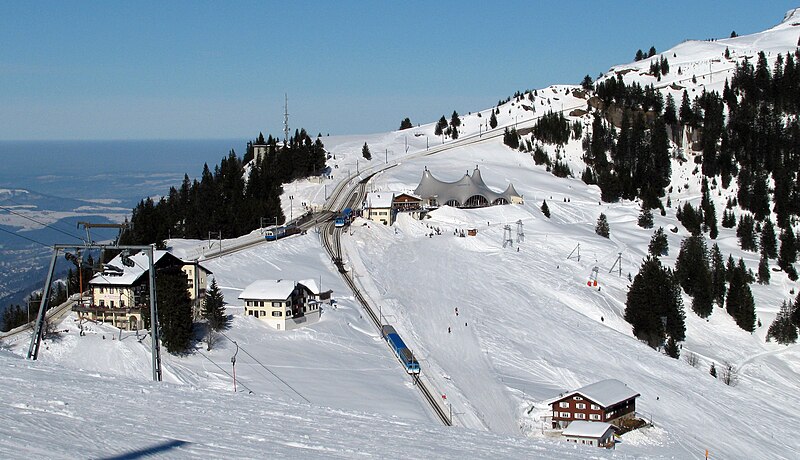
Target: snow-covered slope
(528,327)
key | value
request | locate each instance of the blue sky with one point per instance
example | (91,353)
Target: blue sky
(177,70)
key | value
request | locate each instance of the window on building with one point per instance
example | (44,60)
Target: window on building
(577,398)
(580,405)
(111,304)
(276,313)
(594,416)
(579,415)
(101,289)
(121,303)
(563,404)
(564,414)
(277,304)
(250,312)
(110,290)
(102,303)
(595,407)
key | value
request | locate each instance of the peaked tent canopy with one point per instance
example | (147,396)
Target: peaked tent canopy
(467,192)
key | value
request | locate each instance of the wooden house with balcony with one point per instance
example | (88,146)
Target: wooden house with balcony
(609,401)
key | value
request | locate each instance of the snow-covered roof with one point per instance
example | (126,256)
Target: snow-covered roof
(461,190)
(605,392)
(379,200)
(268,290)
(584,429)
(311,285)
(129,275)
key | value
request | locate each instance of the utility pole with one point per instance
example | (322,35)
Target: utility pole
(233,364)
(286,120)
(38,327)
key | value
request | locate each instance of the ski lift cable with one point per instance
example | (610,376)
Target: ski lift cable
(268,369)
(40,223)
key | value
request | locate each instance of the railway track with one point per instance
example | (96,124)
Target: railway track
(331,240)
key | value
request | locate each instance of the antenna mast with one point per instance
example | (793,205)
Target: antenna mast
(286,119)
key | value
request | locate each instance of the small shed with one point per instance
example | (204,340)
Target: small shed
(598,434)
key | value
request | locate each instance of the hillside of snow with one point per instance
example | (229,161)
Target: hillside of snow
(528,327)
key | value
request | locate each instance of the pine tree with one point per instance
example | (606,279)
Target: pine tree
(782,329)
(455,121)
(406,124)
(214,308)
(365,152)
(586,84)
(769,245)
(545,209)
(739,303)
(493,121)
(670,115)
(763,270)
(718,275)
(659,246)
(174,309)
(713,370)
(787,255)
(653,306)
(691,270)
(728,219)
(645,218)
(671,349)
(746,233)
(602,227)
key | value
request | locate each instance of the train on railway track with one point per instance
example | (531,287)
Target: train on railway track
(278,232)
(400,349)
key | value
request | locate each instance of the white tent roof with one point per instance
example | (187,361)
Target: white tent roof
(584,429)
(461,190)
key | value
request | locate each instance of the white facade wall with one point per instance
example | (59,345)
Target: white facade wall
(113,296)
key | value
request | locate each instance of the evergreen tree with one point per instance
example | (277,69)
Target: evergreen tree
(713,370)
(763,271)
(586,84)
(769,245)
(691,270)
(174,309)
(671,349)
(670,115)
(214,308)
(746,233)
(659,246)
(645,218)
(653,306)
(602,227)
(685,113)
(718,276)
(783,330)
(455,121)
(493,121)
(728,219)
(545,209)
(652,51)
(440,126)
(365,152)
(787,255)
(406,124)
(739,303)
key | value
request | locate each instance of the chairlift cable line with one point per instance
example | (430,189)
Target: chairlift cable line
(40,223)
(268,369)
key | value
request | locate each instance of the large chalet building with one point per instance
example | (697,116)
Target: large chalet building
(608,401)
(120,292)
(284,304)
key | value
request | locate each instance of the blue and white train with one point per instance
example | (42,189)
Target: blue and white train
(400,349)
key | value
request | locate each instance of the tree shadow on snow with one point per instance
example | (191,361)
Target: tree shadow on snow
(148,451)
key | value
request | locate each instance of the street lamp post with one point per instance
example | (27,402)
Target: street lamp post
(291,209)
